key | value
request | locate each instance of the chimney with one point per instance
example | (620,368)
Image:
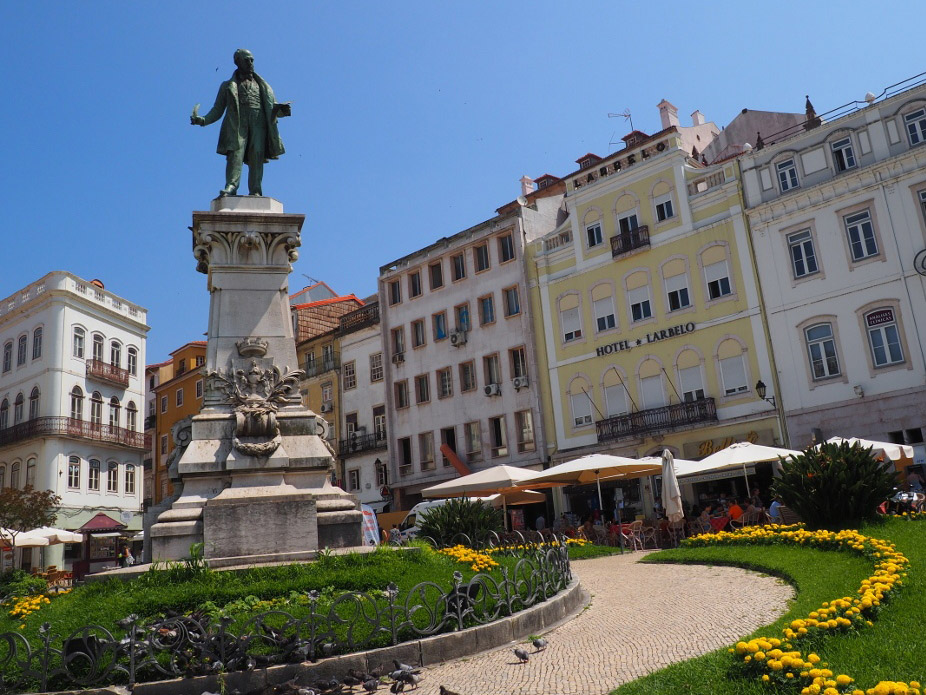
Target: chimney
(697,118)
(668,114)
(527,185)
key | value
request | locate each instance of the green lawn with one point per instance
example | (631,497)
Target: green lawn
(892,649)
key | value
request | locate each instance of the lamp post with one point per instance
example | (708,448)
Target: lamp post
(761,389)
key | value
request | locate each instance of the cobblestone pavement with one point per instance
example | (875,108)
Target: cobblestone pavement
(641,618)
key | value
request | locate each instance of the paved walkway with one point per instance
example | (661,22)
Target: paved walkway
(642,617)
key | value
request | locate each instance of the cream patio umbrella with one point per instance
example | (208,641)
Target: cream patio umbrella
(671,494)
(21,539)
(880,450)
(57,535)
(736,455)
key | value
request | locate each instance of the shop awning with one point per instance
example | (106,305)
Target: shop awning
(101,522)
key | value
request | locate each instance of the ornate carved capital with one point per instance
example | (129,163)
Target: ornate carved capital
(245,247)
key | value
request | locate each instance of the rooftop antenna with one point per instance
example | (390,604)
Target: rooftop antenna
(312,281)
(626,116)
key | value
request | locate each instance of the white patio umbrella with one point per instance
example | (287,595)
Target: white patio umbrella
(736,455)
(671,494)
(882,450)
(57,535)
(22,540)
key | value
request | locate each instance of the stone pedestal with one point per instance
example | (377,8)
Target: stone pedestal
(253,470)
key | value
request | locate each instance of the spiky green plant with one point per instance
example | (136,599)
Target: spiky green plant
(835,486)
(445,524)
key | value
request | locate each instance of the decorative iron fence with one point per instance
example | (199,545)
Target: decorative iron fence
(321,626)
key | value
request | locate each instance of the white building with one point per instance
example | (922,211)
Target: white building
(836,212)
(362,446)
(457,330)
(72,395)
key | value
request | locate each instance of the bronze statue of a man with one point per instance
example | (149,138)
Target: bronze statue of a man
(249,132)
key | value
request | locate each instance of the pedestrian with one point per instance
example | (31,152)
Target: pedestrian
(541,523)
(394,535)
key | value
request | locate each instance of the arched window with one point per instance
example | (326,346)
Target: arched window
(115,354)
(132,364)
(79,342)
(93,482)
(14,475)
(21,349)
(580,400)
(74,473)
(37,343)
(30,472)
(96,409)
(131,417)
(2,476)
(652,388)
(615,393)
(4,414)
(18,408)
(34,403)
(77,403)
(7,356)
(112,477)
(97,347)
(129,487)
(731,360)
(114,409)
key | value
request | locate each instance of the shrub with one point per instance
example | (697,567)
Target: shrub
(20,583)
(445,524)
(834,486)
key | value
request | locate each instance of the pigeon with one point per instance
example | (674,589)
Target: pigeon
(397,687)
(351,681)
(371,685)
(540,644)
(405,667)
(522,655)
(445,691)
(411,679)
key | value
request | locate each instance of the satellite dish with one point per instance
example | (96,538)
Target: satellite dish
(522,201)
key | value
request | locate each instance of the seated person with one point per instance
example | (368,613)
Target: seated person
(704,519)
(774,511)
(735,511)
(755,499)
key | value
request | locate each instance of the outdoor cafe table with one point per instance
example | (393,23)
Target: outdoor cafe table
(719,523)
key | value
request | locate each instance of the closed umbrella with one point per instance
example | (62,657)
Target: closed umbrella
(671,494)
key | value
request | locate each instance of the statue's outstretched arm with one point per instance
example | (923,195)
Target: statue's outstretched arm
(215,113)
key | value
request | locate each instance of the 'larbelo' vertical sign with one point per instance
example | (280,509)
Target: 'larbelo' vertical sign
(654,337)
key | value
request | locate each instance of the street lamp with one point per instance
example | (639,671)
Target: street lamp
(760,391)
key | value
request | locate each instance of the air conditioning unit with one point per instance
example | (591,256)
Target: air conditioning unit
(493,390)
(519,382)
(327,407)
(398,358)
(458,338)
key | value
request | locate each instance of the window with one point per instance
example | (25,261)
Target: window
(376,366)
(664,208)
(821,348)
(571,324)
(414,284)
(426,450)
(112,477)
(179,397)
(199,389)
(18,406)
(163,404)
(444,383)
(916,126)
(181,366)
(689,379)
(491,369)
(395,292)
(459,266)
(401,394)
(14,475)
(787,175)
(448,438)
(439,323)
(883,337)
(524,423)
(7,357)
(718,280)
(733,375)
(30,472)
(627,224)
(327,392)
(604,314)
(677,292)
(651,388)
(518,361)
(4,414)
(21,346)
(34,403)
(472,433)
(486,310)
(398,340)
(131,417)
(129,485)
(498,436)
(349,375)
(581,409)
(512,301)
(405,455)
(96,409)
(36,343)
(461,314)
(98,347)
(505,248)
(640,305)
(163,445)
(114,411)
(615,398)
(200,359)
(379,422)
(115,354)
(803,257)
(79,342)
(843,156)
(861,232)
(74,473)
(593,235)
(418,333)
(310,363)
(2,476)
(436,271)
(93,482)
(353,479)
(481,257)
(422,389)
(467,376)
(77,403)
(132,361)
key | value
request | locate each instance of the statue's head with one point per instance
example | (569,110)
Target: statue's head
(244,60)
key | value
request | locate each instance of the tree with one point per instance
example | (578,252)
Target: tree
(26,509)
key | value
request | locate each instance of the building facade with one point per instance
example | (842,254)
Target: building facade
(837,212)
(71,388)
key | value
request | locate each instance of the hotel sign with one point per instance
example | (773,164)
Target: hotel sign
(654,337)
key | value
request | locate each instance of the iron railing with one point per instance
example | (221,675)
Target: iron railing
(316,627)
(69,427)
(624,242)
(328,363)
(359,318)
(667,417)
(358,443)
(101,371)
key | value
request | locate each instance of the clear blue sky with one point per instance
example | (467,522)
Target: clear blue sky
(411,120)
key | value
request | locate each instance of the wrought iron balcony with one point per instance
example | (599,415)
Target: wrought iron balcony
(358,443)
(110,373)
(625,242)
(151,422)
(328,363)
(69,427)
(359,318)
(668,417)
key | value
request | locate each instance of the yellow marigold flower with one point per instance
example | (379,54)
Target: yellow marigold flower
(843,679)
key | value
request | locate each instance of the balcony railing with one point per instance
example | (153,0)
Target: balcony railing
(358,443)
(69,427)
(100,370)
(359,318)
(624,242)
(326,364)
(151,422)
(667,417)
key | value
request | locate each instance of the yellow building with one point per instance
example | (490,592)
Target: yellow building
(648,309)
(178,395)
